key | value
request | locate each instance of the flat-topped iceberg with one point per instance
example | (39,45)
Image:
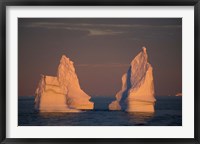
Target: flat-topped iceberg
(137,93)
(62,93)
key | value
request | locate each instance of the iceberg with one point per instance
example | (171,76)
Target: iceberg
(179,94)
(62,93)
(137,92)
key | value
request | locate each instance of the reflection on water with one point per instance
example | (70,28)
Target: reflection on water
(51,114)
(140,118)
(95,118)
(168,112)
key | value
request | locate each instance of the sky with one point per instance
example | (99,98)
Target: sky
(101,49)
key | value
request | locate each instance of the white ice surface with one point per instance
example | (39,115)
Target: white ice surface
(137,93)
(62,93)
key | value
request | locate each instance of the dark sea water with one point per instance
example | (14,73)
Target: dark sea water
(168,112)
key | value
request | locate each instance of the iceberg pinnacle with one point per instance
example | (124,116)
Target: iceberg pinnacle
(62,93)
(137,93)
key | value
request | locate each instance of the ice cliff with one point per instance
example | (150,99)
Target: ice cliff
(137,92)
(63,92)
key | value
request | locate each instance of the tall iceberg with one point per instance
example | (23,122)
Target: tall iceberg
(137,93)
(63,92)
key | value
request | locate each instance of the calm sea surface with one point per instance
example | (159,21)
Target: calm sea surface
(168,112)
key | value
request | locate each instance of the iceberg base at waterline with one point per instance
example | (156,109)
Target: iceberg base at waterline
(50,97)
(140,106)
(133,106)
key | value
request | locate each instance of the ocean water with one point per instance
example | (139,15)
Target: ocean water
(168,112)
